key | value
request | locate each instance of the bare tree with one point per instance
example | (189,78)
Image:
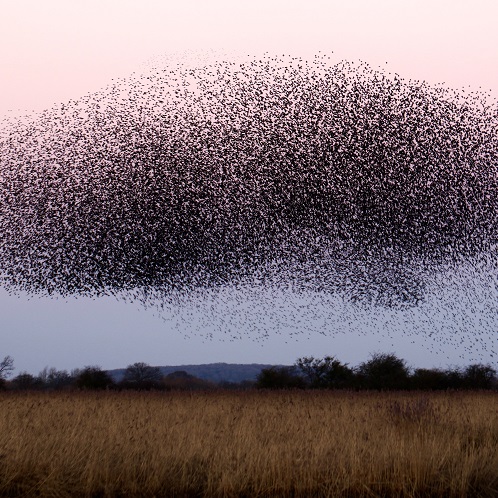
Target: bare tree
(55,379)
(141,373)
(6,367)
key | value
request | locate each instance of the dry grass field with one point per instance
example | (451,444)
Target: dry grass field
(248,444)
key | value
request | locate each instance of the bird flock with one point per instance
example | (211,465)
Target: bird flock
(273,173)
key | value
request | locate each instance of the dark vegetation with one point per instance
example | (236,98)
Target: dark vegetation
(6,368)
(382,372)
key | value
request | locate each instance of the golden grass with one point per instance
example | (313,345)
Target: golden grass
(249,444)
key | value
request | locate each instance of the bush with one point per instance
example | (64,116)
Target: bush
(93,378)
(430,379)
(279,378)
(479,376)
(183,381)
(325,373)
(25,381)
(383,371)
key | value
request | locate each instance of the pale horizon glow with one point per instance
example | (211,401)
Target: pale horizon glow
(55,50)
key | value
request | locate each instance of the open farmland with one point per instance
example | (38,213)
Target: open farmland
(248,444)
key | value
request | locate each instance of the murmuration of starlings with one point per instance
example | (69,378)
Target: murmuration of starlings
(329,178)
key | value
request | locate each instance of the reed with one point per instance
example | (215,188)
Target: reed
(293,443)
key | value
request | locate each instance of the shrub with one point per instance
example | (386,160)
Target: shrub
(25,381)
(183,381)
(279,378)
(93,378)
(431,379)
(325,373)
(383,371)
(479,376)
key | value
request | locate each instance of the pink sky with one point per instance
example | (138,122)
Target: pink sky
(55,50)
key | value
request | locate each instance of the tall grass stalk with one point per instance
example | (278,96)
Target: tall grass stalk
(249,444)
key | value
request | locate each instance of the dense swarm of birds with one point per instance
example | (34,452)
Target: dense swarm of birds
(271,173)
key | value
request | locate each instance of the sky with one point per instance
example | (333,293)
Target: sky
(54,51)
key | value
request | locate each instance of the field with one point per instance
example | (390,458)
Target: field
(293,443)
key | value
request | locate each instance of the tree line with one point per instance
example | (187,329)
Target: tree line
(138,376)
(383,371)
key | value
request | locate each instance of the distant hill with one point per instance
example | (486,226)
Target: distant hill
(214,372)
